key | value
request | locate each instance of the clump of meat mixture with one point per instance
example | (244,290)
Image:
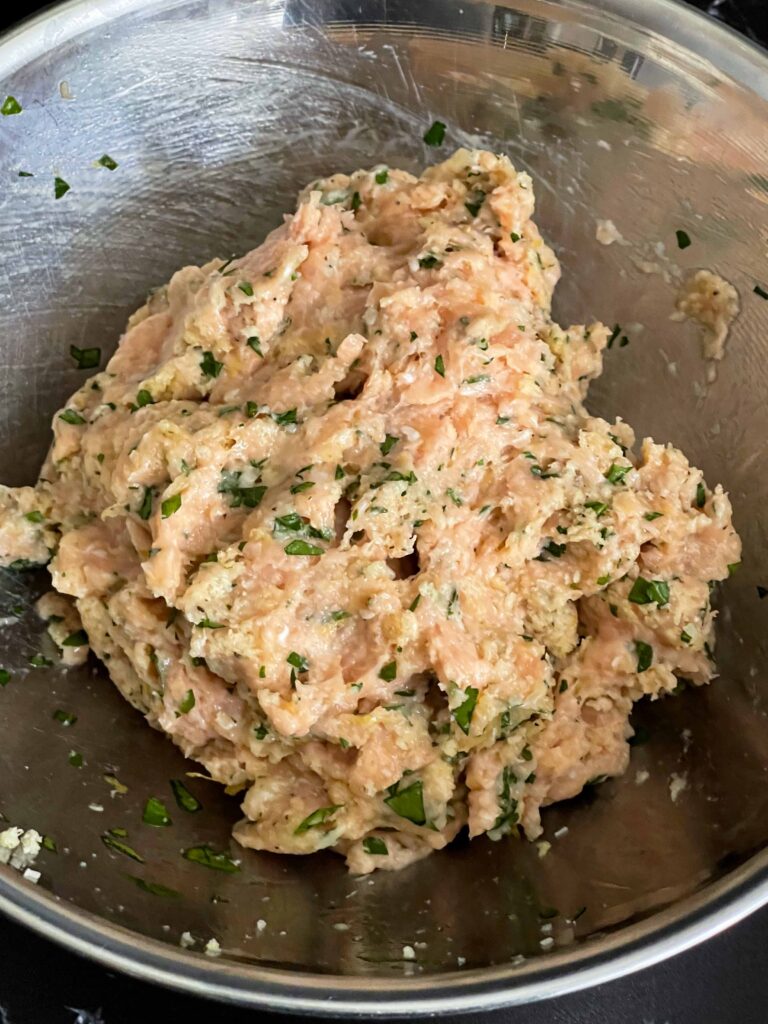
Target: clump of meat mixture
(338,522)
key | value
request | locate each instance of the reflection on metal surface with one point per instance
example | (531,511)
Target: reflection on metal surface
(217,111)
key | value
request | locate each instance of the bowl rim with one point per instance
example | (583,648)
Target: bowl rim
(642,944)
(610,955)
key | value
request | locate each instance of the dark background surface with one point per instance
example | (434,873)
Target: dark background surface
(725,981)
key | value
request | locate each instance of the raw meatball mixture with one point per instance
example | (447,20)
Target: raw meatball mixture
(337,521)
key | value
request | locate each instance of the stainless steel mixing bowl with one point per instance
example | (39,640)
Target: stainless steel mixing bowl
(216,111)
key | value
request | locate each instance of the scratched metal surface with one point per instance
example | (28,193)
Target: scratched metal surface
(217,112)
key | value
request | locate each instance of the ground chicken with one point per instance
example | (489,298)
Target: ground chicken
(337,520)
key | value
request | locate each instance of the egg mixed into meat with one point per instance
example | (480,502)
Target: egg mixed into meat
(337,521)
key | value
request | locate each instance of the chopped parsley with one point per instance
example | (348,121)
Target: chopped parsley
(10,106)
(644,653)
(440,366)
(508,815)
(433,136)
(298,661)
(211,367)
(553,549)
(616,473)
(246,288)
(408,803)
(598,507)
(452,603)
(339,615)
(683,239)
(185,799)
(40,662)
(430,261)
(356,201)
(388,672)
(170,505)
(154,888)
(457,500)
(209,624)
(760,291)
(5,677)
(302,547)
(60,188)
(395,474)
(118,846)
(156,813)
(143,398)
(650,516)
(186,703)
(250,496)
(701,496)
(72,417)
(388,444)
(108,162)
(65,717)
(21,564)
(34,517)
(75,759)
(291,522)
(284,419)
(145,509)
(649,592)
(318,817)
(462,714)
(685,637)
(381,177)
(49,843)
(118,787)
(514,236)
(77,639)
(542,474)
(209,858)
(86,358)
(305,485)
(375,846)
(563,686)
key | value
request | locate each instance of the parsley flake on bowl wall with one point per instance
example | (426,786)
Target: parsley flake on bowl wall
(10,106)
